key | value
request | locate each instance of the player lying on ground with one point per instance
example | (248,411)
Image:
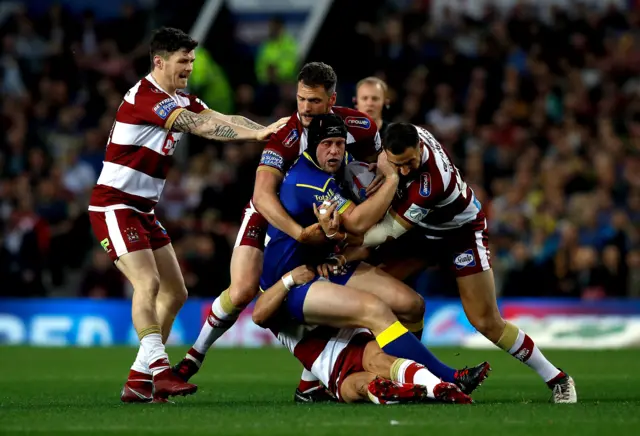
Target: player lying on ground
(436,218)
(350,361)
(148,126)
(316,94)
(358,295)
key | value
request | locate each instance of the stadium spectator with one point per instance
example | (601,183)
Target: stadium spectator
(541,112)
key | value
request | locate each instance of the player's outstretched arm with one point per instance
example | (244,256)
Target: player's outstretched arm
(238,120)
(212,125)
(270,300)
(266,200)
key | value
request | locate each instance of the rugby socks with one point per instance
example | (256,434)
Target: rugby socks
(308,381)
(140,364)
(408,371)
(397,341)
(415,328)
(153,349)
(222,316)
(517,343)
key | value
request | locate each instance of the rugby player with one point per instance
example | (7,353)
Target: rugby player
(435,217)
(148,126)
(349,361)
(354,296)
(316,94)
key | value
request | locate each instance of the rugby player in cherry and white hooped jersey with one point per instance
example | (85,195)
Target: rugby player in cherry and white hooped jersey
(149,124)
(316,94)
(436,218)
(353,363)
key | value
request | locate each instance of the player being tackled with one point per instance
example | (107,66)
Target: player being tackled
(349,361)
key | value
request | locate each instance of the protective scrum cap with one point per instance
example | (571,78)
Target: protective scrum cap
(322,127)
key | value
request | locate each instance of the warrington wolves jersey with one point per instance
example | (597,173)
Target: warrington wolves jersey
(303,186)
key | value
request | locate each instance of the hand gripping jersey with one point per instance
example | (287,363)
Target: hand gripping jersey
(304,185)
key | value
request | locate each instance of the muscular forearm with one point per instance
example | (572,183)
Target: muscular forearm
(245,122)
(268,303)
(365,215)
(269,206)
(211,126)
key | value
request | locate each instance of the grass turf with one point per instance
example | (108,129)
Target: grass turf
(249,392)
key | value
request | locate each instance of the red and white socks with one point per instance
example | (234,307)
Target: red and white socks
(408,371)
(222,316)
(521,346)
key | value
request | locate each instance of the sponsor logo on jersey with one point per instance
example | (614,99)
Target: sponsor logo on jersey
(465,259)
(416,213)
(360,122)
(332,196)
(164,108)
(425,185)
(273,159)
(291,138)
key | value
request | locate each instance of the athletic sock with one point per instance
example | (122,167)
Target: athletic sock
(222,315)
(397,341)
(517,343)
(408,371)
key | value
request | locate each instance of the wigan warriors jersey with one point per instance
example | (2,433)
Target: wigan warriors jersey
(140,148)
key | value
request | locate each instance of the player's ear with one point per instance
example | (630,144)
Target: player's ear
(158,62)
(332,99)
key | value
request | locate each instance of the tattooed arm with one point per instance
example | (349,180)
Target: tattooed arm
(243,121)
(236,119)
(211,126)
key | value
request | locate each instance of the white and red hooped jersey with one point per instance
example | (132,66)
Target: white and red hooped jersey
(436,198)
(288,143)
(140,148)
(317,347)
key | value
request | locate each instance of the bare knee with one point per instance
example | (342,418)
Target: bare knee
(490,324)
(178,296)
(376,315)
(148,285)
(243,291)
(410,307)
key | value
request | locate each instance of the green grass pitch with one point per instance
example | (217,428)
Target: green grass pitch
(249,392)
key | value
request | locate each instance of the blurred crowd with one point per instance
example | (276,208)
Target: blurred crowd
(541,116)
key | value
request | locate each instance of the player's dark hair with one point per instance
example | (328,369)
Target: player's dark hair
(400,136)
(168,40)
(319,74)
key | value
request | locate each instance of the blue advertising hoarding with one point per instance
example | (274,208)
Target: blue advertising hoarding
(85,322)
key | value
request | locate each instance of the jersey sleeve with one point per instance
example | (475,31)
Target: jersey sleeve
(367,143)
(281,151)
(413,206)
(156,108)
(196,105)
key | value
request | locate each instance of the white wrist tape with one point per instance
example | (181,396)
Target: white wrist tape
(288,282)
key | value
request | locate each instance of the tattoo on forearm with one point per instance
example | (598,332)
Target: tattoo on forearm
(188,121)
(245,122)
(220,131)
